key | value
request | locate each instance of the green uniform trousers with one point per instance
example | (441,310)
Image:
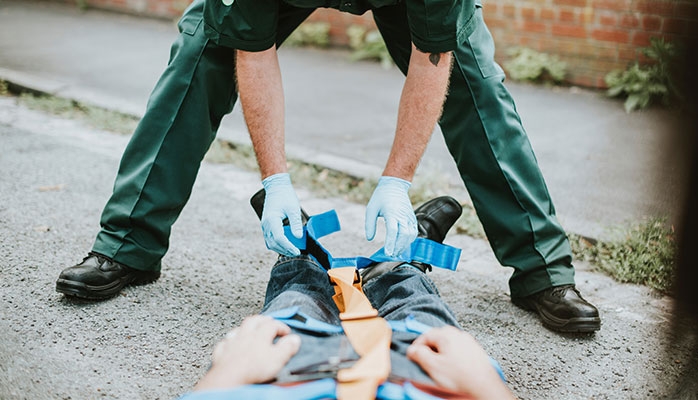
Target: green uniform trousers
(482,129)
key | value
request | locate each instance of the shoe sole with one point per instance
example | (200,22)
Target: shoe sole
(572,325)
(84,291)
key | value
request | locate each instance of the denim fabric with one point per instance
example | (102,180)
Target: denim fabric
(397,294)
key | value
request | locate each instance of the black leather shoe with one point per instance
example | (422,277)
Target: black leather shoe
(98,277)
(257,203)
(434,219)
(562,309)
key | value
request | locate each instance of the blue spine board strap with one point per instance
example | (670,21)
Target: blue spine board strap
(422,249)
(313,390)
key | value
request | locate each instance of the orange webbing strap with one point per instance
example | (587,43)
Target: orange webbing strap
(368,333)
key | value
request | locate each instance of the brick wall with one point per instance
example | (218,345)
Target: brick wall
(150,8)
(592,36)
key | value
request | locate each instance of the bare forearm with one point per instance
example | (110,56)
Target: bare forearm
(262,98)
(420,108)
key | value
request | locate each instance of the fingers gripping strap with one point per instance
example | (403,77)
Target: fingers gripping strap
(422,250)
(368,334)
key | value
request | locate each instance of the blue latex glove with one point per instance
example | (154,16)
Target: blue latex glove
(281,202)
(390,201)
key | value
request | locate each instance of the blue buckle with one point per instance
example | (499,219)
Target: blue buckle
(422,250)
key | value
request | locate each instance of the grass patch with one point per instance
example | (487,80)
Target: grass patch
(4,89)
(95,117)
(469,224)
(644,254)
(224,152)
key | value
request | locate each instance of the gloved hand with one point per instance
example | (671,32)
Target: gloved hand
(281,202)
(390,201)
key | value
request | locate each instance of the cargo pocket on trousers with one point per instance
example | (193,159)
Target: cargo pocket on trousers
(482,45)
(191,19)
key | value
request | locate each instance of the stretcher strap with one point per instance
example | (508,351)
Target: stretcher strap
(368,334)
(319,389)
(422,249)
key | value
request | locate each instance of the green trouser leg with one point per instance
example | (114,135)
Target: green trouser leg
(484,135)
(160,163)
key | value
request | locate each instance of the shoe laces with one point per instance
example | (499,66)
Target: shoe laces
(560,291)
(100,257)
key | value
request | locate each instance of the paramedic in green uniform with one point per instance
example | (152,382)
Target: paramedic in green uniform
(447,54)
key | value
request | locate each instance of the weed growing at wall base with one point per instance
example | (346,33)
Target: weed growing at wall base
(368,45)
(529,65)
(315,34)
(643,84)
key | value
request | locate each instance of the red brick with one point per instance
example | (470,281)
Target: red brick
(629,21)
(547,13)
(651,23)
(576,3)
(673,25)
(593,50)
(569,30)
(608,20)
(528,41)
(509,10)
(618,5)
(610,35)
(656,7)
(567,15)
(583,80)
(563,46)
(627,53)
(532,26)
(495,22)
(528,13)
(641,39)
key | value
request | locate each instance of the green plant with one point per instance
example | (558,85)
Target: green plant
(310,34)
(644,254)
(4,88)
(642,84)
(368,45)
(529,65)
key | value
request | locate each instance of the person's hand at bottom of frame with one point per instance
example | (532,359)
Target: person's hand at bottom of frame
(249,355)
(281,202)
(391,201)
(456,361)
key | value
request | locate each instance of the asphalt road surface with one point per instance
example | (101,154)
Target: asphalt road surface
(154,341)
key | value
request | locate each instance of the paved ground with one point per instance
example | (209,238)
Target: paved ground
(153,342)
(604,168)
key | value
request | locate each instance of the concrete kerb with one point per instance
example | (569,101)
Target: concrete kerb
(22,82)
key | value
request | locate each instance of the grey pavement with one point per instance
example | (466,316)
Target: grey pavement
(154,341)
(604,168)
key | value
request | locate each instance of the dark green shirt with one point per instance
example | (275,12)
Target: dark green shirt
(251,25)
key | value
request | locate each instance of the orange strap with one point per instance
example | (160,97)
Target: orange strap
(368,333)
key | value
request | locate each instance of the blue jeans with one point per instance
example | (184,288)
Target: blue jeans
(402,292)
